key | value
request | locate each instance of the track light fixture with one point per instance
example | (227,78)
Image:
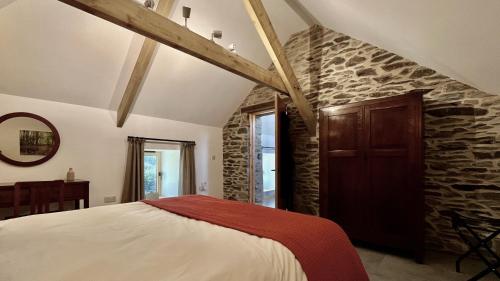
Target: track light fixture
(186,14)
(216,34)
(150,4)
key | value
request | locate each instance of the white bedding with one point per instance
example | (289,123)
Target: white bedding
(136,241)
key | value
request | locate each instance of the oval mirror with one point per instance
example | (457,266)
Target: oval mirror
(27,139)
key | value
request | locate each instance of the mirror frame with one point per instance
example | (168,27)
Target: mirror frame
(53,151)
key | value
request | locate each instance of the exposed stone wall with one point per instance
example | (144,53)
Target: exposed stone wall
(462,128)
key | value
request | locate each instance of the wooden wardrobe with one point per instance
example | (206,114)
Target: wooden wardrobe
(371,171)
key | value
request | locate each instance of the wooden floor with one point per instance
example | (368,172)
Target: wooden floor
(438,267)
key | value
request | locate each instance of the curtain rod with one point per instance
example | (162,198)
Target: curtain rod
(162,140)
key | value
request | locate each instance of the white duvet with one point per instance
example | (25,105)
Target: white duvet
(136,241)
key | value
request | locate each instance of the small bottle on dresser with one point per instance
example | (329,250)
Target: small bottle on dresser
(70,176)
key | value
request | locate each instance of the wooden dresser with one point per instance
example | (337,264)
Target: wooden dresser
(73,191)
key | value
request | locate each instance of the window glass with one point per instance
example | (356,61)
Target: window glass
(150,176)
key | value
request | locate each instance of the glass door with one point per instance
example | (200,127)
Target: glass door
(152,175)
(263,159)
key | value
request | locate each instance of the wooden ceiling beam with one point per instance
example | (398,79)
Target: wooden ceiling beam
(5,3)
(303,12)
(134,16)
(141,68)
(268,35)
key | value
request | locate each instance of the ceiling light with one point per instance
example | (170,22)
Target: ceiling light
(150,4)
(186,13)
(216,34)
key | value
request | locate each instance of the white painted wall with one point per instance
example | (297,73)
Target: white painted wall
(96,149)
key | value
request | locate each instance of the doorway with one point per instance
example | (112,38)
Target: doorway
(263,159)
(270,164)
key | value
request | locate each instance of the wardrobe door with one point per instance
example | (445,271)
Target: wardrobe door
(393,163)
(342,196)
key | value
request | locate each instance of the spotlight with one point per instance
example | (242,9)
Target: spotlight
(232,48)
(150,4)
(186,13)
(216,34)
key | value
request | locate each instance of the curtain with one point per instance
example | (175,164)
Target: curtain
(187,171)
(133,187)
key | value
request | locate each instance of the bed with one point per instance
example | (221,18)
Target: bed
(167,239)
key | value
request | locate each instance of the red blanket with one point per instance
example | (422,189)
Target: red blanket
(321,246)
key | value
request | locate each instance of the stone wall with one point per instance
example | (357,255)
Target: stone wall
(462,128)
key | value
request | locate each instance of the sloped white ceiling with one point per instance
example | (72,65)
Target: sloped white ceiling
(49,50)
(184,88)
(52,51)
(458,38)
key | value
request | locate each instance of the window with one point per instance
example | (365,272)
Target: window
(161,172)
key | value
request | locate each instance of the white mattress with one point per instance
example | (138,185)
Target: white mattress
(136,241)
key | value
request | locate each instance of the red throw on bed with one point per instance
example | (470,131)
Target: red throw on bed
(321,246)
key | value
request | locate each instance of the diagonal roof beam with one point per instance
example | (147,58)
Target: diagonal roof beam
(303,12)
(5,3)
(141,68)
(266,31)
(135,17)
